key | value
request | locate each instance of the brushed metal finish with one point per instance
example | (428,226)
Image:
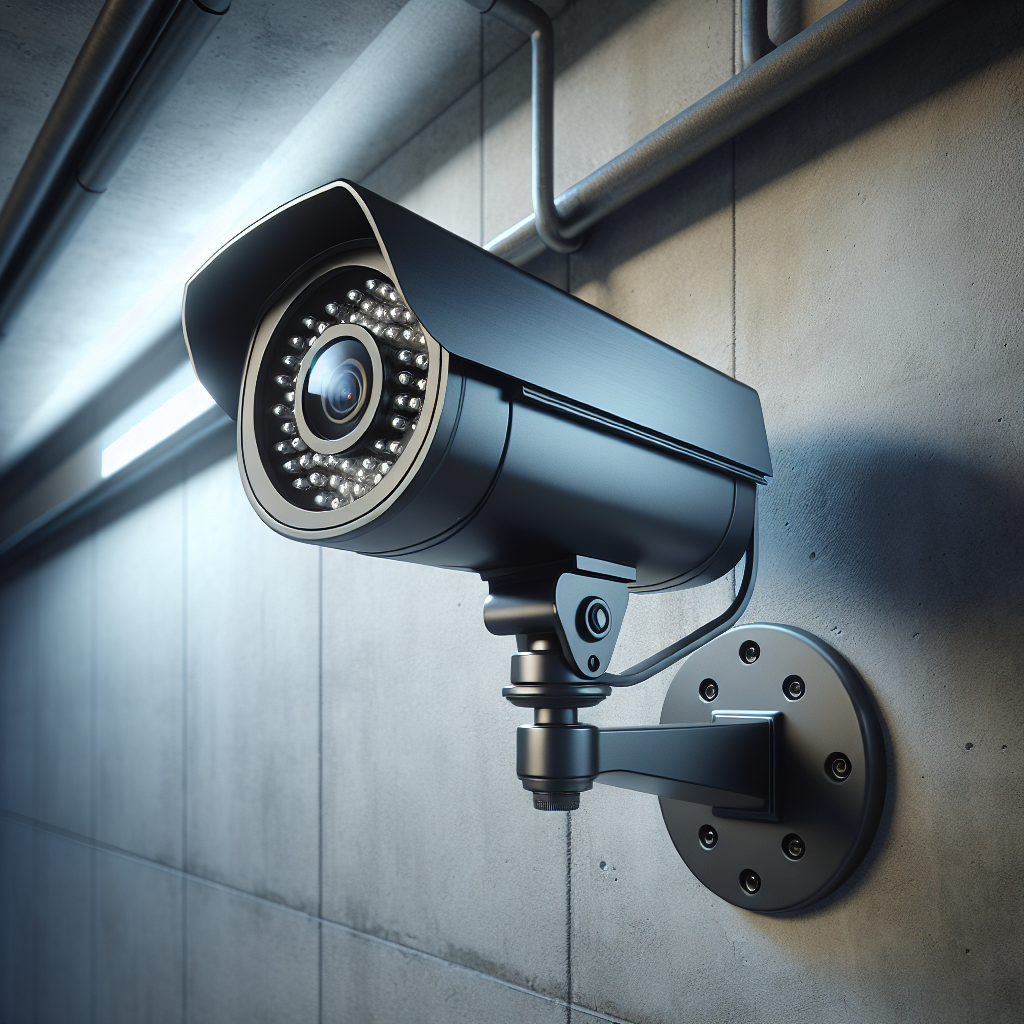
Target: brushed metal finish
(836,820)
(480,309)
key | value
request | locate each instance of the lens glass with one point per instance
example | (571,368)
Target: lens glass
(337,388)
(342,391)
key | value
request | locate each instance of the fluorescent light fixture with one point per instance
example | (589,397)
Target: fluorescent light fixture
(159,425)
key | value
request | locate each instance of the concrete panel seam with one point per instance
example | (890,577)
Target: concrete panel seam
(93,844)
(568,914)
(320,786)
(432,957)
(184,741)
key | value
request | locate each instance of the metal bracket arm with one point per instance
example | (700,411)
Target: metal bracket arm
(729,765)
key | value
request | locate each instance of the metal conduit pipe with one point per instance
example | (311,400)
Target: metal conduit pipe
(133,56)
(754,41)
(532,21)
(813,55)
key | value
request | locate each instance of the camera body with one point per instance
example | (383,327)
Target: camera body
(402,393)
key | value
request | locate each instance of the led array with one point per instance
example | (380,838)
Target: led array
(334,481)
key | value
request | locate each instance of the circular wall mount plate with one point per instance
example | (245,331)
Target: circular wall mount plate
(830,768)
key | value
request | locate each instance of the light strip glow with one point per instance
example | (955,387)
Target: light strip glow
(160,424)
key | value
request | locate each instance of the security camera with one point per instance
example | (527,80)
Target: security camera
(402,393)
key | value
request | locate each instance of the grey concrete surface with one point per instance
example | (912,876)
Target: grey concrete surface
(64,743)
(429,839)
(252,755)
(438,174)
(17,695)
(355,843)
(249,961)
(17,925)
(377,983)
(63,928)
(139,692)
(139,942)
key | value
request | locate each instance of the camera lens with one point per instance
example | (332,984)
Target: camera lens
(344,390)
(337,388)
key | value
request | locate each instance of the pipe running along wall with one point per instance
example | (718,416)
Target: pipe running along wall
(134,54)
(769,83)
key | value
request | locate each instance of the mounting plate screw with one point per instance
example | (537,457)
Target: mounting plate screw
(793,846)
(749,652)
(794,688)
(837,766)
(708,690)
(750,881)
(593,663)
(708,836)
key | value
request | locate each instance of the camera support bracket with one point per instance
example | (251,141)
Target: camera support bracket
(769,760)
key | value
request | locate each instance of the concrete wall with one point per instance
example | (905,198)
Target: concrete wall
(247,780)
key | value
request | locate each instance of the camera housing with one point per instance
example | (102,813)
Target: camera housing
(402,393)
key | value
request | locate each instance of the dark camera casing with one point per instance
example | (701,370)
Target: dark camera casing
(559,430)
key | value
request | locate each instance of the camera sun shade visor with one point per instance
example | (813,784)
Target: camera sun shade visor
(535,426)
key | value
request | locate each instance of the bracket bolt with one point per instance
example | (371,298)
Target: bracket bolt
(749,652)
(794,688)
(837,766)
(793,846)
(750,881)
(593,663)
(593,619)
(708,836)
(708,690)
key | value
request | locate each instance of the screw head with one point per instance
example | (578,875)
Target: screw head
(593,619)
(750,881)
(707,836)
(599,618)
(708,690)
(749,652)
(793,846)
(593,663)
(837,766)
(794,688)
